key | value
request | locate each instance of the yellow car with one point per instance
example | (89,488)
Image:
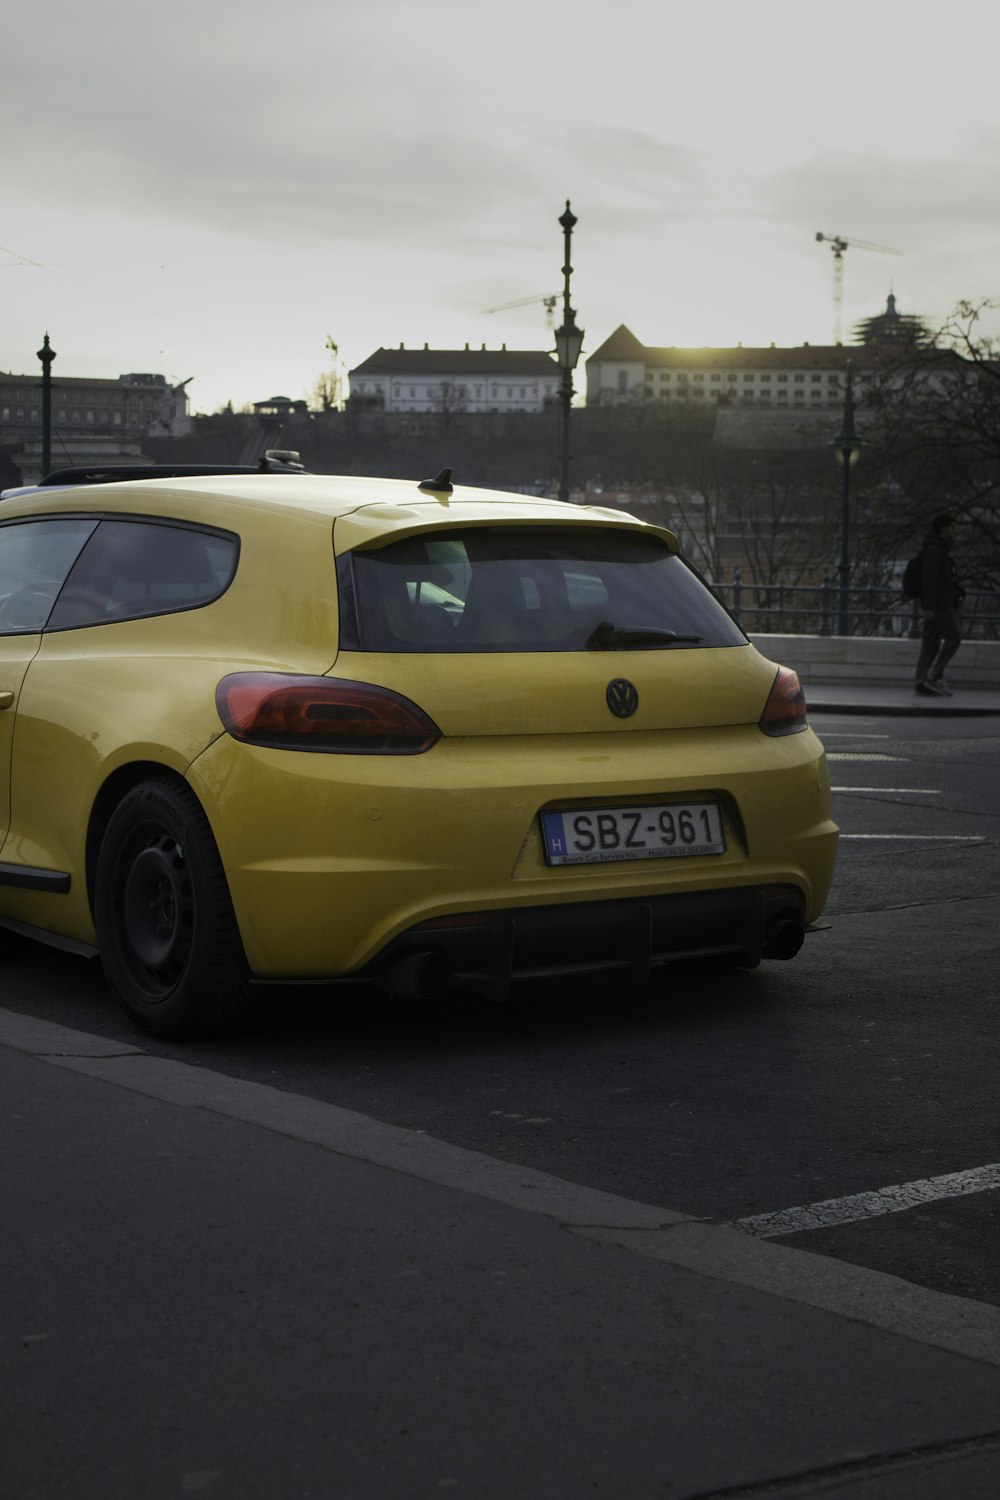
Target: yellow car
(291,727)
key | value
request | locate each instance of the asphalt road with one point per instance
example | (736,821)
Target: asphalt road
(867,1063)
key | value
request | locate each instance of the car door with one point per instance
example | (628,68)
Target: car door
(35,557)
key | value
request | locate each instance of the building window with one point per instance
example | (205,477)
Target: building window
(765,377)
(799,379)
(815,379)
(623,380)
(782,377)
(748,377)
(715,377)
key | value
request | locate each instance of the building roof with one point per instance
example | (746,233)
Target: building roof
(509,362)
(127,383)
(624,346)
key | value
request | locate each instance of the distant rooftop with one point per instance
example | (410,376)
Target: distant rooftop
(483,361)
(623,345)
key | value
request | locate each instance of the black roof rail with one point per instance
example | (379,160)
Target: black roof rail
(115,473)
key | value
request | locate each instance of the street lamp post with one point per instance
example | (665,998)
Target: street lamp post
(847,445)
(46,355)
(569,342)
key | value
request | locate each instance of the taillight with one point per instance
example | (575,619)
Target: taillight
(322,713)
(785,710)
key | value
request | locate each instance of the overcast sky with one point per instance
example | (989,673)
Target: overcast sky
(210,188)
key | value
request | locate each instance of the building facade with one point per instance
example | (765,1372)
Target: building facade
(810,377)
(131,407)
(91,420)
(454,380)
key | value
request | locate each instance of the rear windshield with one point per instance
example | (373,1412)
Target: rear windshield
(529,589)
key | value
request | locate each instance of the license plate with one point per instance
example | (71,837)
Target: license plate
(666,830)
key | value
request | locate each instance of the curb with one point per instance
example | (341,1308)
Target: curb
(817,704)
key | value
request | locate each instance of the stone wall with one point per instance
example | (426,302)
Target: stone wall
(876,660)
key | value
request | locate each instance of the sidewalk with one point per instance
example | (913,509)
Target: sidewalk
(212,1287)
(896,698)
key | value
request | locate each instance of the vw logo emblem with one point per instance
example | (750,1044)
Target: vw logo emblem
(623,698)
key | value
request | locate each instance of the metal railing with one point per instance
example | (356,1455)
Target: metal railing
(813,609)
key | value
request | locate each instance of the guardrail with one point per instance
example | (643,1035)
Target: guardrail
(813,609)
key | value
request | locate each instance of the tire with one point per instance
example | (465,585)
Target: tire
(166,928)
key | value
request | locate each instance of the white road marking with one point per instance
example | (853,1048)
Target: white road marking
(913,791)
(863,755)
(837,734)
(914,838)
(887,1200)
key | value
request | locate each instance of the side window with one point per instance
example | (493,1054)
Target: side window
(35,557)
(135,568)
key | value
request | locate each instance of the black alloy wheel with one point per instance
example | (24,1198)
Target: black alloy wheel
(166,928)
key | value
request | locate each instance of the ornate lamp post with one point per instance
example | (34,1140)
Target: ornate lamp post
(569,342)
(46,355)
(847,445)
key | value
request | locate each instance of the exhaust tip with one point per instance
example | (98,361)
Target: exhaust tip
(419,976)
(784,938)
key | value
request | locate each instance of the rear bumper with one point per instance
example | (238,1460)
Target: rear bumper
(345,856)
(487,951)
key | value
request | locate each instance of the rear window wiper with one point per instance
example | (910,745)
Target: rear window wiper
(608,637)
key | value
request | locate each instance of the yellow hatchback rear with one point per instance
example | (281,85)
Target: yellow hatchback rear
(431,739)
(547,749)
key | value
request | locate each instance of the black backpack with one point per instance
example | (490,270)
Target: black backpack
(913,577)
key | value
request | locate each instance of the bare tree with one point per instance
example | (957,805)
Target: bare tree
(934,419)
(771,514)
(448,399)
(325,394)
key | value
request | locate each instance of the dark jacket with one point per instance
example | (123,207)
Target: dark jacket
(940,588)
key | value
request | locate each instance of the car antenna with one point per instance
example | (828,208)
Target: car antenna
(441,484)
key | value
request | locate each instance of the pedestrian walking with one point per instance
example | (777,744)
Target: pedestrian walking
(940,596)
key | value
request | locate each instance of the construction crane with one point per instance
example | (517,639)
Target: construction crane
(550,306)
(838,244)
